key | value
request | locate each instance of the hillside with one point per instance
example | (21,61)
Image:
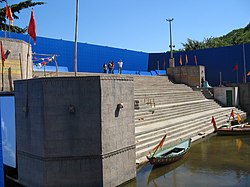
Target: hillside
(235,37)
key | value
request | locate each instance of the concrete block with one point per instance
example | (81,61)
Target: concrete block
(70,131)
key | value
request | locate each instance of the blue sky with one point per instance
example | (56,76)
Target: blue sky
(7,117)
(138,24)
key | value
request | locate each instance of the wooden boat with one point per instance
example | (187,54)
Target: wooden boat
(242,128)
(169,155)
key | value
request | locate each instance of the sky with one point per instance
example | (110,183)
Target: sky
(7,117)
(138,25)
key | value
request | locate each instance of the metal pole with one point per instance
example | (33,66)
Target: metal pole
(171,64)
(76,34)
(28,56)
(220,78)
(244,62)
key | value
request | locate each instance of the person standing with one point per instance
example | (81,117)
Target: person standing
(109,67)
(104,68)
(112,67)
(120,63)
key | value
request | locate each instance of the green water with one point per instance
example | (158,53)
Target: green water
(216,161)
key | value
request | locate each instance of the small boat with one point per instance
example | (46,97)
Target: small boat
(169,155)
(242,128)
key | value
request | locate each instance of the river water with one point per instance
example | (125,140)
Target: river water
(218,161)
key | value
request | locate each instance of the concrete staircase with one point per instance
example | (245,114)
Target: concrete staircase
(174,109)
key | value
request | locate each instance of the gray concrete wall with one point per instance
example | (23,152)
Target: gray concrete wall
(190,75)
(17,63)
(244,94)
(220,95)
(69,133)
(118,130)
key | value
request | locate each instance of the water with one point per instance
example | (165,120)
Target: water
(217,161)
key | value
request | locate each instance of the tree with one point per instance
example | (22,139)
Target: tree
(234,37)
(15,8)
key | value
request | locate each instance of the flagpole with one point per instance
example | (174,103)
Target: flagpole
(2,76)
(237,78)
(244,62)
(220,78)
(3,58)
(28,55)
(9,28)
(5,29)
(76,35)
(56,66)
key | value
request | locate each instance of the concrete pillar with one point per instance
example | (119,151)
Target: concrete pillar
(244,95)
(18,61)
(75,131)
(190,75)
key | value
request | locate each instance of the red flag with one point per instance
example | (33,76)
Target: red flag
(32,27)
(236,67)
(214,123)
(9,12)
(195,60)
(2,53)
(232,114)
(161,143)
(44,63)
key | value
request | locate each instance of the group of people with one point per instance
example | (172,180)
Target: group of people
(111,67)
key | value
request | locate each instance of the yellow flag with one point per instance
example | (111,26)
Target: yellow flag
(248,74)
(186,59)
(239,118)
(180,60)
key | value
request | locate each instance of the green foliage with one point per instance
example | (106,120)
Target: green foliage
(234,37)
(15,8)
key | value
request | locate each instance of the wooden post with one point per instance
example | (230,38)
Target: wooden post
(21,69)
(2,77)
(44,71)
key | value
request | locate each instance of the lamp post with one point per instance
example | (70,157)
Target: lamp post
(244,64)
(171,60)
(76,35)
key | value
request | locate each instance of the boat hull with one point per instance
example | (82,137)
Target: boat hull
(164,161)
(233,131)
(168,158)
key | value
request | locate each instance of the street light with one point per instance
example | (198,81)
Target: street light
(76,36)
(171,61)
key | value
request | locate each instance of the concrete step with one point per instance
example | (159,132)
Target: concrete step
(164,102)
(164,108)
(155,117)
(169,93)
(169,113)
(147,141)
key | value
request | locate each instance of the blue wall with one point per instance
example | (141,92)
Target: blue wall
(215,60)
(90,57)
